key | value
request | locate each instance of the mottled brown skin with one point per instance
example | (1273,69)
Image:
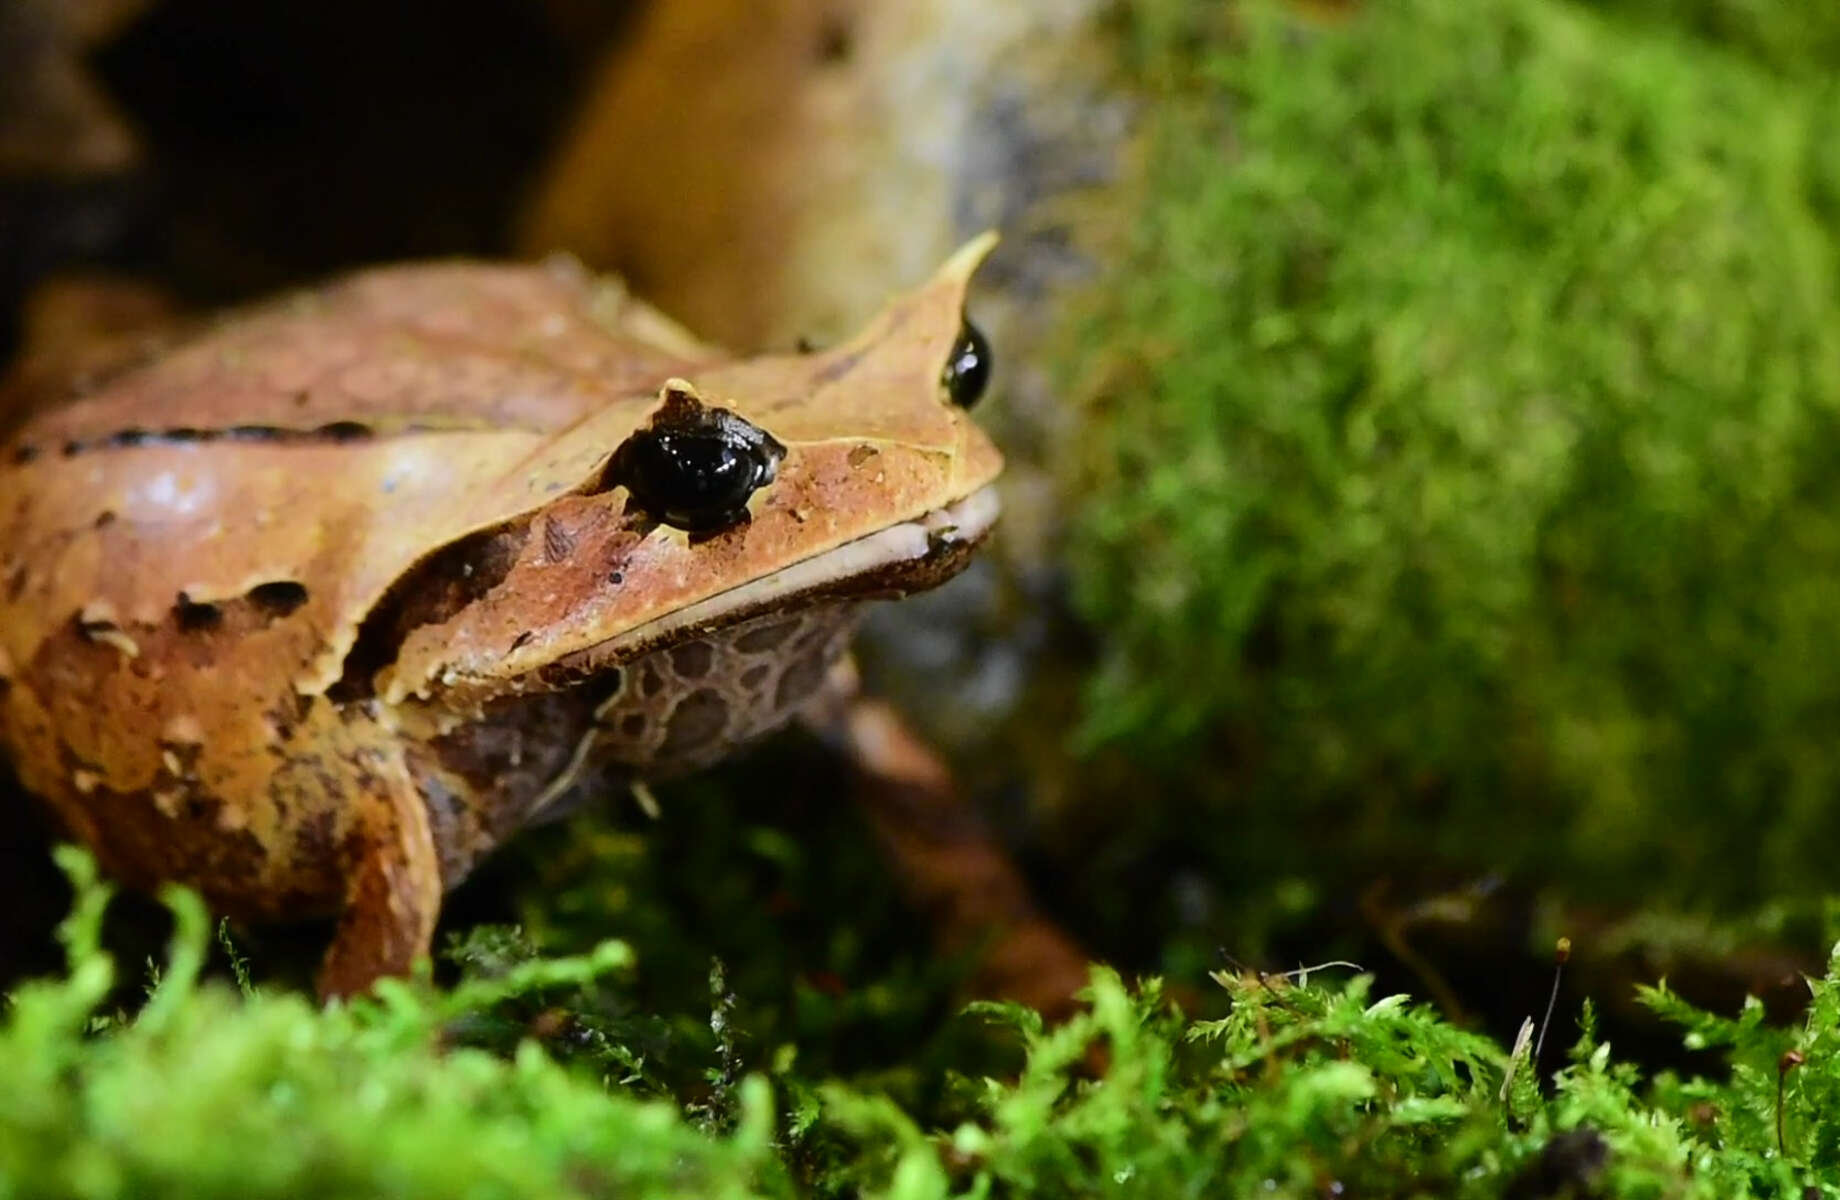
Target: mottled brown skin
(312,607)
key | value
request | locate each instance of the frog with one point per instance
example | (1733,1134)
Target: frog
(312,606)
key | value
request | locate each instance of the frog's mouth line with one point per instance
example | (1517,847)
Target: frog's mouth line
(902,559)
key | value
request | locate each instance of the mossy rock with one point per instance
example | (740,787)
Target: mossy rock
(1459,480)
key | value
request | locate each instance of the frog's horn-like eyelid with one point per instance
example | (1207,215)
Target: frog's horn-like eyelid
(966,258)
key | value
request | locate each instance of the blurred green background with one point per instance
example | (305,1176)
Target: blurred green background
(1457,487)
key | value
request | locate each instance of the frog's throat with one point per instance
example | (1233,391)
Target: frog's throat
(909,557)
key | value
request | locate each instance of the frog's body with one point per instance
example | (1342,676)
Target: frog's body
(316,607)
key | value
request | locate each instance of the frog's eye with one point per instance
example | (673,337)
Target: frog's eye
(698,476)
(967,368)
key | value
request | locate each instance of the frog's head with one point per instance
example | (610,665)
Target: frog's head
(735,491)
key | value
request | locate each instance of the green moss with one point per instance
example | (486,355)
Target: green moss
(788,891)
(207,1093)
(1781,34)
(1308,1087)
(1461,468)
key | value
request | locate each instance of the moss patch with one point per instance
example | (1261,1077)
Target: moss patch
(208,1092)
(1461,474)
(1309,1087)
(1795,39)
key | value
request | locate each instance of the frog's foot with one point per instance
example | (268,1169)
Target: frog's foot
(394,897)
(947,858)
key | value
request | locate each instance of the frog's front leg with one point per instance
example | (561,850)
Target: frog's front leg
(944,853)
(393,897)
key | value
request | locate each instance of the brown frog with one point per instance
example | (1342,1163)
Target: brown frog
(316,605)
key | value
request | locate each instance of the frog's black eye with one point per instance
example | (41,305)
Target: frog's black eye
(967,369)
(698,475)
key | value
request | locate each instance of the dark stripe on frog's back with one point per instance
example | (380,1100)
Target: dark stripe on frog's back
(329,357)
(332,434)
